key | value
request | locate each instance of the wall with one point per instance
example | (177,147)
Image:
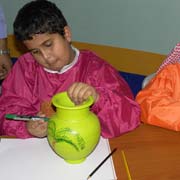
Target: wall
(152,26)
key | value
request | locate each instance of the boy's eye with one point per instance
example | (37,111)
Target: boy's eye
(48,44)
(34,51)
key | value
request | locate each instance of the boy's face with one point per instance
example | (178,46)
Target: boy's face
(52,51)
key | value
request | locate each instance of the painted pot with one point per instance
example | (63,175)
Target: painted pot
(73,131)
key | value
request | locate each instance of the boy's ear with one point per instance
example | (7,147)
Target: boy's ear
(67,33)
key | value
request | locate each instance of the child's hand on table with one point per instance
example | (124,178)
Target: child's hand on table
(79,92)
(37,128)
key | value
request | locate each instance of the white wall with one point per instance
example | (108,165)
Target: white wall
(149,25)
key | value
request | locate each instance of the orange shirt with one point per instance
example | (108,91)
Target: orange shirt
(160,99)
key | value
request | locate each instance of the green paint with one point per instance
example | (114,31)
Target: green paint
(66,135)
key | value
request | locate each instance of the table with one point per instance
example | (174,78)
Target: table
(152,153)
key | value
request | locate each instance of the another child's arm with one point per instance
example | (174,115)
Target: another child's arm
(5,61)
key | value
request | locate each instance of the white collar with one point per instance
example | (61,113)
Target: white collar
(66,67)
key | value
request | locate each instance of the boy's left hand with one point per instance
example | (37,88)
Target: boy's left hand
(79,92)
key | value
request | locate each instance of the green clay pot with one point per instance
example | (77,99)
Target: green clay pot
(74,131)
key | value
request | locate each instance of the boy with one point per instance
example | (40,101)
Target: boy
(53,65)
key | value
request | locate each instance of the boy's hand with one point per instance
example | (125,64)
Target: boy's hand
(37,128)
(79,92)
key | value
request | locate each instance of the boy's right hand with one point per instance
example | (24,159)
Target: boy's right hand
(37,128)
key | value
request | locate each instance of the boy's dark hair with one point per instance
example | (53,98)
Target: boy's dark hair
(37,17)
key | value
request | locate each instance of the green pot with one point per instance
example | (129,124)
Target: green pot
(73,131)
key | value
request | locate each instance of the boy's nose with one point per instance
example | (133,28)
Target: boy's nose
(46,55)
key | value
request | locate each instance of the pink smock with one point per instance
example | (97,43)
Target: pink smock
(28,85)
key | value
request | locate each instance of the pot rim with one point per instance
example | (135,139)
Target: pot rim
(56,99)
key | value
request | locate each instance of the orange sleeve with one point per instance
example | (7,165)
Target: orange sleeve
(160,99)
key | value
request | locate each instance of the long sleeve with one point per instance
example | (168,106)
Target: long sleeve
(116,108)
(17,97)
(3,26)
(160,99)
